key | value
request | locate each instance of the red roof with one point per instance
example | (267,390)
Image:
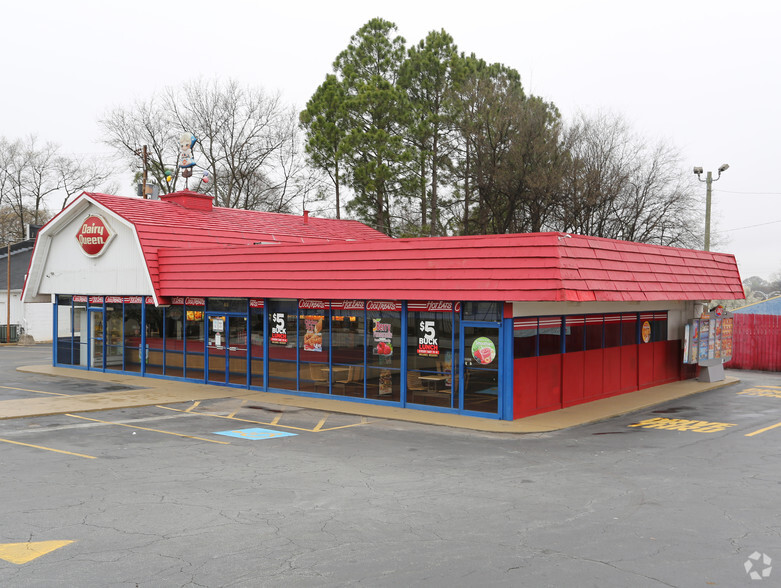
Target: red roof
(527,267)
(160,223)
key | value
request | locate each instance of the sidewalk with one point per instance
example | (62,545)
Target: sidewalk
(152,391)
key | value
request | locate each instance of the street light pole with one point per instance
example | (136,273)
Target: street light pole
(708,190)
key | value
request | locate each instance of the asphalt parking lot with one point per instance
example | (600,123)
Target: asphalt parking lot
(230,493)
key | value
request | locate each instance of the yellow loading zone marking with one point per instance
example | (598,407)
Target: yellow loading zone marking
(21,553)
(666,424)
(764,391)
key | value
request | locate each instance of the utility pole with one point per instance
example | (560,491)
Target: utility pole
(708,190)
(8,308)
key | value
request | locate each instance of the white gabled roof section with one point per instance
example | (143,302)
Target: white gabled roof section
(59,265)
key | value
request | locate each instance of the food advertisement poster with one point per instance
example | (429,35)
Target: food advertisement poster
(483,350)
(428,344)
(382,334)
(278,329)
(313,338)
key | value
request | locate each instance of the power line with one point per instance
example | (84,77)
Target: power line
(752,226)
(749,193)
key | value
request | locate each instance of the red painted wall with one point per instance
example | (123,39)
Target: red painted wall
(549,382)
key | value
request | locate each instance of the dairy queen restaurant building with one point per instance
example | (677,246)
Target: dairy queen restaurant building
(495,326)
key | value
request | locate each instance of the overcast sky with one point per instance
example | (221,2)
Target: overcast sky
(703,75)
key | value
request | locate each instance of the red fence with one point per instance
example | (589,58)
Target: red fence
(756,342)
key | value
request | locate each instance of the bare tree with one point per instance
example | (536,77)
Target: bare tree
(31,172)
(248,142)
(619,186)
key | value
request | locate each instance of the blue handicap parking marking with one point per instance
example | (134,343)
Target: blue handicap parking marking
(255,434)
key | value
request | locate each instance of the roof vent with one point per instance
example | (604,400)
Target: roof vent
(190,200)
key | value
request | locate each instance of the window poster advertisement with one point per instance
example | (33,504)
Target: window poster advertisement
(278,329)
(726,338)
(382,334)
(703,339)
(313,338)
(428,345)
(483,350)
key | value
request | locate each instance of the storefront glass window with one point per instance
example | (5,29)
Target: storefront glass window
(483,311)
(114,341)
(430,357)
(629,329)
(550,335)
(132,334)
(80,331)
(174,341)
(227,305)
(155,341)
(256,343)
(594,331)
(383,333)
(347,348)
(282,329)
(574,333)
(524,337)
(65,345)
(313,337)
(659,327)
(612,330)
(194,334)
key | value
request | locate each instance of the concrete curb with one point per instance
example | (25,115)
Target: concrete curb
(152,391)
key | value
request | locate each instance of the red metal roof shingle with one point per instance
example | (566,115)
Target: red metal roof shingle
(528,267)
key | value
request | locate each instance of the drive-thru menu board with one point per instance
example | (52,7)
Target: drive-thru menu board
(708,339)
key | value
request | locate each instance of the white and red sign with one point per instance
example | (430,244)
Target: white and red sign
(94,235)
(312,304)
(189,301)
(434,306)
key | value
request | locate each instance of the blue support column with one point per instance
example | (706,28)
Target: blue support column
(506,367)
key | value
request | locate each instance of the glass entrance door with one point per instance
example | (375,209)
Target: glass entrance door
(96,338)
(227,349)
(481,389)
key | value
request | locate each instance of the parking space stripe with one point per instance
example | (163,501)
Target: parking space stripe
(35,391)
(48,449)
(75,416)
(222,416)
(275,422)
(763,430)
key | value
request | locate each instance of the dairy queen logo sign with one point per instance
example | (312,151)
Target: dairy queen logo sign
(94,236)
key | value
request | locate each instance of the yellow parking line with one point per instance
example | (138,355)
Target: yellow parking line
(222,416)
(195,404)
(75,416)
(48,449)
(275,422)
(763,430)
(36,391)
(364,421)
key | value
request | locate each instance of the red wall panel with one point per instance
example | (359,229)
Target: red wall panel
(611,371)
(524,387)
(593,384)
(628,368)
(572,377)
(645,364)
(549,382)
